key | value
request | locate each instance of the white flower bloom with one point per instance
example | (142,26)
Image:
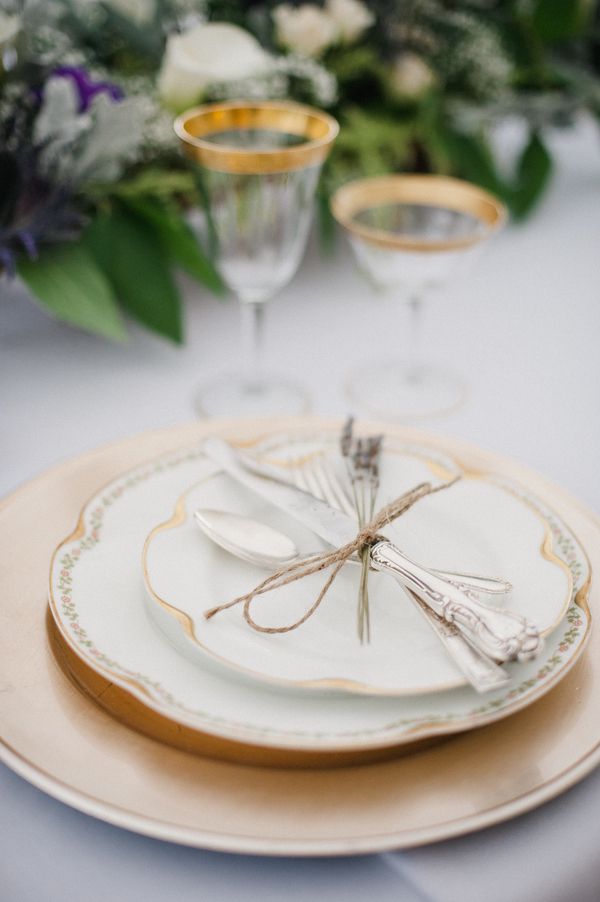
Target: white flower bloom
(58,126)
(92,146)
(9,28)
(307,29)
(207,53)
(323,84)
(139,11)
(112,140)
(352,17)
(411,76)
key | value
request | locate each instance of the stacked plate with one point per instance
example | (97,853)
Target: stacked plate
(129,589)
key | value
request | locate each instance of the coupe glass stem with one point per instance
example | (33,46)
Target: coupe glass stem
(253,326)
(415,312)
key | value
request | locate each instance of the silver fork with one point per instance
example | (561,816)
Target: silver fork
(318,476)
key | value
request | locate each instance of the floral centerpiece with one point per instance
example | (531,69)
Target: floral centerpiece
(95,197)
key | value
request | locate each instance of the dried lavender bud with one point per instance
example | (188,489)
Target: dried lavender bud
(375,444)
(346,437)
(360,456)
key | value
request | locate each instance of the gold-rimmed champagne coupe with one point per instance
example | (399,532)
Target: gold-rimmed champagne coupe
(411,235)
(259,164)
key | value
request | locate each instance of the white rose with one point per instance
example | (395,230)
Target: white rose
(411,76)
(139,11)
(351,17)
(207,53)
(307,29)
(9,28)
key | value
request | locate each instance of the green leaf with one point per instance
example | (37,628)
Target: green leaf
(213,241)
(178,241)
(151,181)
(370,143)
(134,262)
(473,160)
(533,171)
(143,39)
(559,20)
(326,223)
(67,281)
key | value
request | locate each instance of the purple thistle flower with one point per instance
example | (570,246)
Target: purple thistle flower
(33,212)
(87,89)
(29,242)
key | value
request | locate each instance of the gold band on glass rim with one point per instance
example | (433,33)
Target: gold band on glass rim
(317,129)
(425,190)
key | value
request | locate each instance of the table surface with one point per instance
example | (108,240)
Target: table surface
(523,330)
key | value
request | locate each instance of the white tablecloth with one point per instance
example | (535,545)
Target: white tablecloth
(524,330)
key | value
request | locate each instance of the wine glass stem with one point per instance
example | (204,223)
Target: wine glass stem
(415,312)
(253,319)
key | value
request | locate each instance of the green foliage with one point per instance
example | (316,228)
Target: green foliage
(115,39)
(10,183)
(204,202)
(537,60)
(68,283)
(559,20)
(326,223)
(361,74)
(142,219)
(417,91)
(533,171)
(471,158)
(125,257)
(133,260)
(179,243)
(370,144)
(149,182)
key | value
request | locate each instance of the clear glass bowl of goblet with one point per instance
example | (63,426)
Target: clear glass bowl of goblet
(259,165)
(411,236)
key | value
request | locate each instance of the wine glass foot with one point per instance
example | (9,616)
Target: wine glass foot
(232,396)
(403,391)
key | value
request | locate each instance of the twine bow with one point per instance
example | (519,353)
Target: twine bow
(366,536)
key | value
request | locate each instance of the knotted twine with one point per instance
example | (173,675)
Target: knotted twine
(365,537)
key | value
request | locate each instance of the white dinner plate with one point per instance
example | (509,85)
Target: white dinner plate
(480,525)
(96,598)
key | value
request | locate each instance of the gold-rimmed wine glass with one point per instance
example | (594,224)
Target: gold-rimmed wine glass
(259,163)
(411,235)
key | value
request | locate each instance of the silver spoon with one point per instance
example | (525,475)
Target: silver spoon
(261,544)
(264,546)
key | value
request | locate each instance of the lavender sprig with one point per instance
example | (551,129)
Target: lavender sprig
(361,457)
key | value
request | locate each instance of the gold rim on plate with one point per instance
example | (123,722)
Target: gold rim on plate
(317,130)
(186,622)
(420,190)
(132,712)
(385,737)
(53,737)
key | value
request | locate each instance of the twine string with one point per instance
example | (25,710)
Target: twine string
(365,537)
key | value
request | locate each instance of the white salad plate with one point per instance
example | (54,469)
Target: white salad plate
(480,525)
(97,598)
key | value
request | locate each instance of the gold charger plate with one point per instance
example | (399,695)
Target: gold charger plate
(53,736)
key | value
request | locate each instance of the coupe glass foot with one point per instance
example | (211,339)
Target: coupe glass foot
(232,397)
(404,391)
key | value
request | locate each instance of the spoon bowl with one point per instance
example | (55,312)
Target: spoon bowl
(247,538)
(264,546)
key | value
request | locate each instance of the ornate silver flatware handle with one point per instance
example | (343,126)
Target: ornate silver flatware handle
(482,673)
(502,635)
